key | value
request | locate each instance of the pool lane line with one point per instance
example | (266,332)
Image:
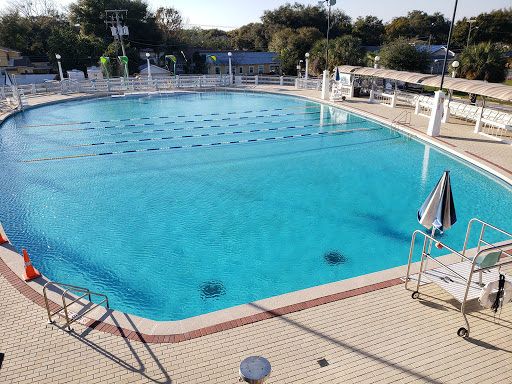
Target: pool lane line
(167,117)
(183,121)
(199,145)
(187,136)
(169,129)
(174,129)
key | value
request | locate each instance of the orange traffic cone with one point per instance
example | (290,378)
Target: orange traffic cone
(30,271)
(3,239)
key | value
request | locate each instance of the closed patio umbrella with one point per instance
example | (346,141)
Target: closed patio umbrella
(438,210)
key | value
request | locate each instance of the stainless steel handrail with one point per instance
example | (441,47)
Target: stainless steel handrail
(71,288)
(480,240)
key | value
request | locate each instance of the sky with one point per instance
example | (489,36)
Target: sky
(232,14)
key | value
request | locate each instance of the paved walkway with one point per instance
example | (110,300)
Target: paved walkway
(382,336)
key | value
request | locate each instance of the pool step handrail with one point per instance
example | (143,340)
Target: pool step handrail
(65,305)
(403,117)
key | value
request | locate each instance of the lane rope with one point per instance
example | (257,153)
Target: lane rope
(167,117)
(183,121)
(198,145)
(180,129)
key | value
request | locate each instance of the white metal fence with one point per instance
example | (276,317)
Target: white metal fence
(315,84)
(140,83)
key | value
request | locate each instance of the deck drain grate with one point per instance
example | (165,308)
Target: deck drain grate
(323,363)
(334,258)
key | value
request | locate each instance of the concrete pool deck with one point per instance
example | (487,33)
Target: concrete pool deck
(367,329)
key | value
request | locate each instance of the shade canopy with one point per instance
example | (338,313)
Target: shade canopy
(479,87)
(438,210)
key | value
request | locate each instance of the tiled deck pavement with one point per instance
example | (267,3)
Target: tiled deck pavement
(378,337)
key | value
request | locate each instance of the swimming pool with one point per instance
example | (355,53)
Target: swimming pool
(199,202)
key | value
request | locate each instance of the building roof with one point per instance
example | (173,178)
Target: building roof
(8,50)
(23,61)
(154,69)
(244,58)
(436,51)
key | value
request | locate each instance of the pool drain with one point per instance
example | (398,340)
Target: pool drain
(212,289)
(334,258)
(323,363)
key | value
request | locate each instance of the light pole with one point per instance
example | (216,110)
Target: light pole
(446,115)
(448,44)
(307,64)
(455,64)
(435,66)
(434,124)
(230,73)
(329,2)
(469,34)
(376,65)
(299,67)
(57,56)
(149,67)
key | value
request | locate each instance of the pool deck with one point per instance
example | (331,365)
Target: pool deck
(368,329)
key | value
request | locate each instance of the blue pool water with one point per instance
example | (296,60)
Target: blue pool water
(181,216)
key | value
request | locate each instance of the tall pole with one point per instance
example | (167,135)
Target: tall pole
(230,73)
(448,45)
(57,56)
(149,67)
(328,27)
(469,34)
(307,64)
(120,34)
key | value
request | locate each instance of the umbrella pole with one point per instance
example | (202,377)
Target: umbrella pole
(429,246)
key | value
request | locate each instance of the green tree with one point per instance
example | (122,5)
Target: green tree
(77,52)
(250,37)
(369,29)
(28,34)
(116,67)
(491,27)
(419,25)
(346,50)
(291,45)
(298,16)
(170,23)
(90,15)
(484,61)
(398,27)
(14,30)
(401,55)
(214,39)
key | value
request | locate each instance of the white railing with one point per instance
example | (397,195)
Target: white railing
(424,105)
(383,98)
(315,84)
(261,79)
(497,130)
(141,83)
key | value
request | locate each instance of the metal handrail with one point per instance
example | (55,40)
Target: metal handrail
(85,291)
(480,240)
(405,114)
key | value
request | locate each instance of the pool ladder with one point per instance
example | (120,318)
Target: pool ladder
(403,117)
(65,305)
